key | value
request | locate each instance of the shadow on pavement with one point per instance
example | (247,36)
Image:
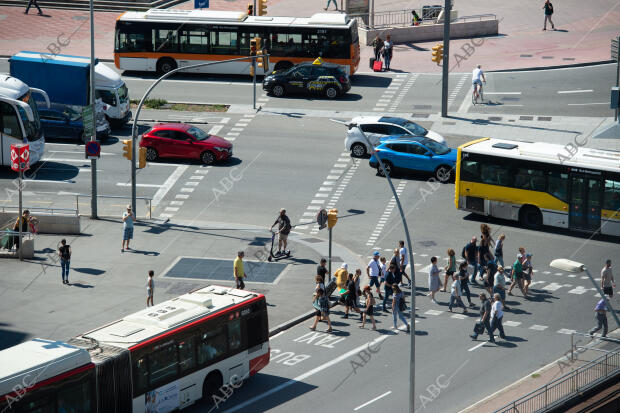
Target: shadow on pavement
(80,285)
(9,338)
(370,81)
(90,271)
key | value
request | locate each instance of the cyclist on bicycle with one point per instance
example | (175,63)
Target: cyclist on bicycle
(477,74)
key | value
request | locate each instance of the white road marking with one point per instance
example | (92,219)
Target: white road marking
(191,183)
(198,177)
(181,196)
(512,323)
(142,185)
(172,179)
(187,189)
(538,327)
(215,129)
(65,160)
(586,104)
(477,346)
(49,181)
(459,316)
(501,93)
(433,312)
(176,203)
(79,152)
(372,401)
(552,287)
(575,91)
(171,209)
(566,331)
(305,375)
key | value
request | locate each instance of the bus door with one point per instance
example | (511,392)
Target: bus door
(585,203)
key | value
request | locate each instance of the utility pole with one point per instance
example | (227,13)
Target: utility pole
(446,57)
(93,137)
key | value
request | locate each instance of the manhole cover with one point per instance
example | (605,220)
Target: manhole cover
(222,270)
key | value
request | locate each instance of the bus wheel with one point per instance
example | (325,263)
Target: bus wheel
(165,65)
(530,217)
(443,174)
(283,65)
(212,384)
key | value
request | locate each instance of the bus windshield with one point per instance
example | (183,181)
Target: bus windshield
(33,128)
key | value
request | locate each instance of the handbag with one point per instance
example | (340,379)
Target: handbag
(316,304)
(479,327)
(402,304)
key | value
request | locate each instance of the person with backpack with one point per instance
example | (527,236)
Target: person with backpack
(398,306)
(388,47)
(284,228)
(388,286)
(548,7)
(64,253)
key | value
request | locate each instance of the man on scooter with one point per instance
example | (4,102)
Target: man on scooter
(284,227)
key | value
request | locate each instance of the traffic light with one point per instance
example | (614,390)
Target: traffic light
(259,51)
(250,9)
(437,53)
(141,158)
(332,217)
(127,149)
(262,7)
(252,53)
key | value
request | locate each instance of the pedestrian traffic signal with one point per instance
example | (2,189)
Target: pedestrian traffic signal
(250,9)
(253,47)
(437,53)
(127,149)
(141,158)
(258,43)
(332,217)
(262,7)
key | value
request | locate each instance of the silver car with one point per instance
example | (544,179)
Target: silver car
(377,127)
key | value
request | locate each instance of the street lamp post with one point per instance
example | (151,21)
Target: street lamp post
(573,266)
(93,137)
(134,129)
(413,285)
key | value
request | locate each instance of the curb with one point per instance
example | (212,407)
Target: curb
(525,69)
(191,122)
(291,323)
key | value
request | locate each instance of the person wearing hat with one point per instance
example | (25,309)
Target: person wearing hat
(284,228)
(341,276)
(239,271)
(128,218)
(527,273)
(373,271)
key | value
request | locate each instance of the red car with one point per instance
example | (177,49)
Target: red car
(179,140)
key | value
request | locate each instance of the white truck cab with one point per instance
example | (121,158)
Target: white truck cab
(113,92)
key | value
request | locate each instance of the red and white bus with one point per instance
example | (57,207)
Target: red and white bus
(163,40)
(160,359)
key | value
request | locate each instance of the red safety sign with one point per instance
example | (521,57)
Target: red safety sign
(20,157)
(92,149)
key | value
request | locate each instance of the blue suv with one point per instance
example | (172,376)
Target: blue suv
(415,154)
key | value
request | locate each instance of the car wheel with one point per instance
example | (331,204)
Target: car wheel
(212,384)
(388,168)
(443,174)
(207,158)
(331,92)
(151,154)
(277,90)
(358,150)
(530,217)
(165,65)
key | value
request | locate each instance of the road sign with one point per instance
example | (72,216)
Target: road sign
(20,157)
(614,48)
(201,4)
(92,150)
(321,218)
(89,121)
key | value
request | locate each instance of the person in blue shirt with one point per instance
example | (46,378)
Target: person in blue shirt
(601,317)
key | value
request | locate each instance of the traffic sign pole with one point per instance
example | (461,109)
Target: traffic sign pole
(615,54)
(93,136)
(19,219)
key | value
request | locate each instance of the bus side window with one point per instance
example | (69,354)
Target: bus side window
(558,185)
(211,345)
(186,354)
(234,335)
(162,364)
(256,329)
(470,171)
(611,196)
(75,399)
(8,120)
(140,375)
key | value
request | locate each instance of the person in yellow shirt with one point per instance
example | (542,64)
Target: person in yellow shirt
(341,276)
(239,272)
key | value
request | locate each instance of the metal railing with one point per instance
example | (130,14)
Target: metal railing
(569,385)
(147,200)
(40,210)
(404,18)
(10,233)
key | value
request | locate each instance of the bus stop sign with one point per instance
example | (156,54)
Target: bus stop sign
(20,157)
(92,149)
(201,4)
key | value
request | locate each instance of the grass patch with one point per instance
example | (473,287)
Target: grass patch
(535,375)
(189,107)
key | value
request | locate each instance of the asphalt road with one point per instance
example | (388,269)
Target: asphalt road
(284,159)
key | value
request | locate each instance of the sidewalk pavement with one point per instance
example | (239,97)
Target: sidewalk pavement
(583,33)
(548,373)
(107,284)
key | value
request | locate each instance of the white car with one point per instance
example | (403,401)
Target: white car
(378,127)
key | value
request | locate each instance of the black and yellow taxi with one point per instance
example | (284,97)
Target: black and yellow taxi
(314,78)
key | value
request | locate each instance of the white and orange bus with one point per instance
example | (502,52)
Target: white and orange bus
(160,359)
(163,40)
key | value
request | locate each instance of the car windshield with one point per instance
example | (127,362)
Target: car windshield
(415,129)
(198,134)
(33,129)
(438,148)
(122,93)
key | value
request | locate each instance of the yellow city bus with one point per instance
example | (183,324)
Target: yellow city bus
(540,184)
(163,40)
